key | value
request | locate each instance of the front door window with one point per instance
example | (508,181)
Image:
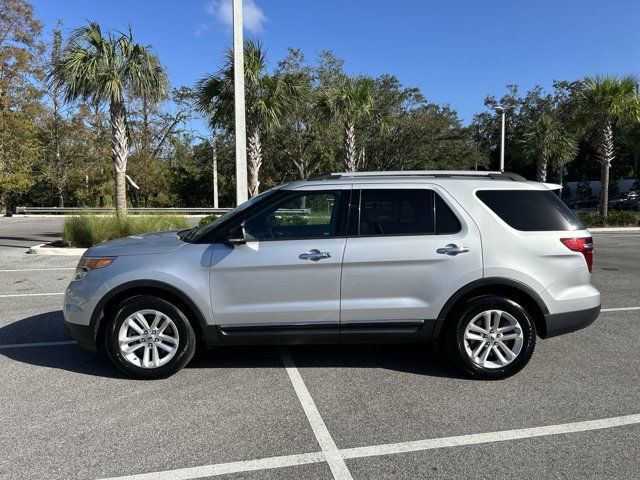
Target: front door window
(303,215)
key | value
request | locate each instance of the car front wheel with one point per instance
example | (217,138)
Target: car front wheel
(149,337)
(491,337)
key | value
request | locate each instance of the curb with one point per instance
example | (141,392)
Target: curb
(42,249)
(614,229)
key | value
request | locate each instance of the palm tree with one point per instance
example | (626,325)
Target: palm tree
(350,101)
(267,99)
(606,102)
(105,68)
(547,143)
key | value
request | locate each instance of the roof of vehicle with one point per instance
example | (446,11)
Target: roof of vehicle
(489,179)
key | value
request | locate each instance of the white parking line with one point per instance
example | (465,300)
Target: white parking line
(226,468)
(12,295)
(328,446)
(491,437)
(40,344)
(621,309)
(36,269)
(386,449)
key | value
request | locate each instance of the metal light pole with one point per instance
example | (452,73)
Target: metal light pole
(242,188)
(214,165)
(503,111)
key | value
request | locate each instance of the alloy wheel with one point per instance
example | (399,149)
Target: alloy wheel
(148,339)
(493,339)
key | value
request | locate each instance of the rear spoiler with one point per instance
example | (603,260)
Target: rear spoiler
(553,186)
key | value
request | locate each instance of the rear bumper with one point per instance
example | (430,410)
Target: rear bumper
(559,323)
(84,335)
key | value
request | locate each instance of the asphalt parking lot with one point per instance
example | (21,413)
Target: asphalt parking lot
(318,412)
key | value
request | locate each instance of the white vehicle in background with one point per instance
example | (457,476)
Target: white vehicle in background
(481,263)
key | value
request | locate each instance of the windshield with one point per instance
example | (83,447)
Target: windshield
(198,232)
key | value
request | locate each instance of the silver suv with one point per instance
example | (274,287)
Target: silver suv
(480,263)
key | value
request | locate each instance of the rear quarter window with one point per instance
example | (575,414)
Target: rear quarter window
(530,210)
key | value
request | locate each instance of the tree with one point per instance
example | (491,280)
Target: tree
(20,105)
(267,99)
(105,68)
(605,103)
(428,137)
(157,141)
(350,101)
(547,143)
(57,161)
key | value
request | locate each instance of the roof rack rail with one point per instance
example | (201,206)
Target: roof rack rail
(424,173)
(325,176)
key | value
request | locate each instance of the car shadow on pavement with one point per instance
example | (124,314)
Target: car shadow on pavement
(409,358)
(49,327)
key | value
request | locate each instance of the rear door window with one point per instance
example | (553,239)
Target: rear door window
(531,210)
(404,212)
(396,212)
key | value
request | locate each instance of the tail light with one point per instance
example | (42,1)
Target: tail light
(583,245)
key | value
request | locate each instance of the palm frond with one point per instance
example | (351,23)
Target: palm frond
(267,97)
(98,67)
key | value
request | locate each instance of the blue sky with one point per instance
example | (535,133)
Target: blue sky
(455,51)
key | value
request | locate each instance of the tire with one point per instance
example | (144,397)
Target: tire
(515,332)
(158,353)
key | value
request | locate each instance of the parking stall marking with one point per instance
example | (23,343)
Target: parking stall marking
(387,449)
(12,295)
(227,468)
(621,309)
(491,437)
(329,448)
(35,269)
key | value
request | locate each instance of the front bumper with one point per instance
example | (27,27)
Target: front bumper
(559,323)
(80,301)
(84,335)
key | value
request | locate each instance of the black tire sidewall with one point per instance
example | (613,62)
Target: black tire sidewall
(472,308)
(186,345)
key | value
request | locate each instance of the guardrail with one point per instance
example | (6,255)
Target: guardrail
(72,210)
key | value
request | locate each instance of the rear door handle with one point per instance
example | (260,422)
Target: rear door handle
(314,255)
(452,250)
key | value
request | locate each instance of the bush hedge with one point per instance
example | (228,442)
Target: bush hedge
(208,219)
(88,230)
(617,218)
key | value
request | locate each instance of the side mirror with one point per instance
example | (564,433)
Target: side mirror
(236,235)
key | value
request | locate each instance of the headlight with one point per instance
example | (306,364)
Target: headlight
(91,263)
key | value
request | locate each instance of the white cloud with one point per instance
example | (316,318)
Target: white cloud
(252,16)
(201,29)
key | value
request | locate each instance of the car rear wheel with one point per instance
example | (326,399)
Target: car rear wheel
(491,337)
(149,337)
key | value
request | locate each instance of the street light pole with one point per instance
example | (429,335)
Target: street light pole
(214,165)
(503,110)
(242,189)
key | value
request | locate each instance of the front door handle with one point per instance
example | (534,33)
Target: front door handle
(314,255)
(452,250)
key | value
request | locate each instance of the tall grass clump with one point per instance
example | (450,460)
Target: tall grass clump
(208,219)
(87,230)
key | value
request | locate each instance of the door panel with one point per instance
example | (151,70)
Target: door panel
(266,283)
(402,277)
(279,280)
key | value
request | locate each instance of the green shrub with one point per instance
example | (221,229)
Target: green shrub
(88,230)
(616,218)
(208,219)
